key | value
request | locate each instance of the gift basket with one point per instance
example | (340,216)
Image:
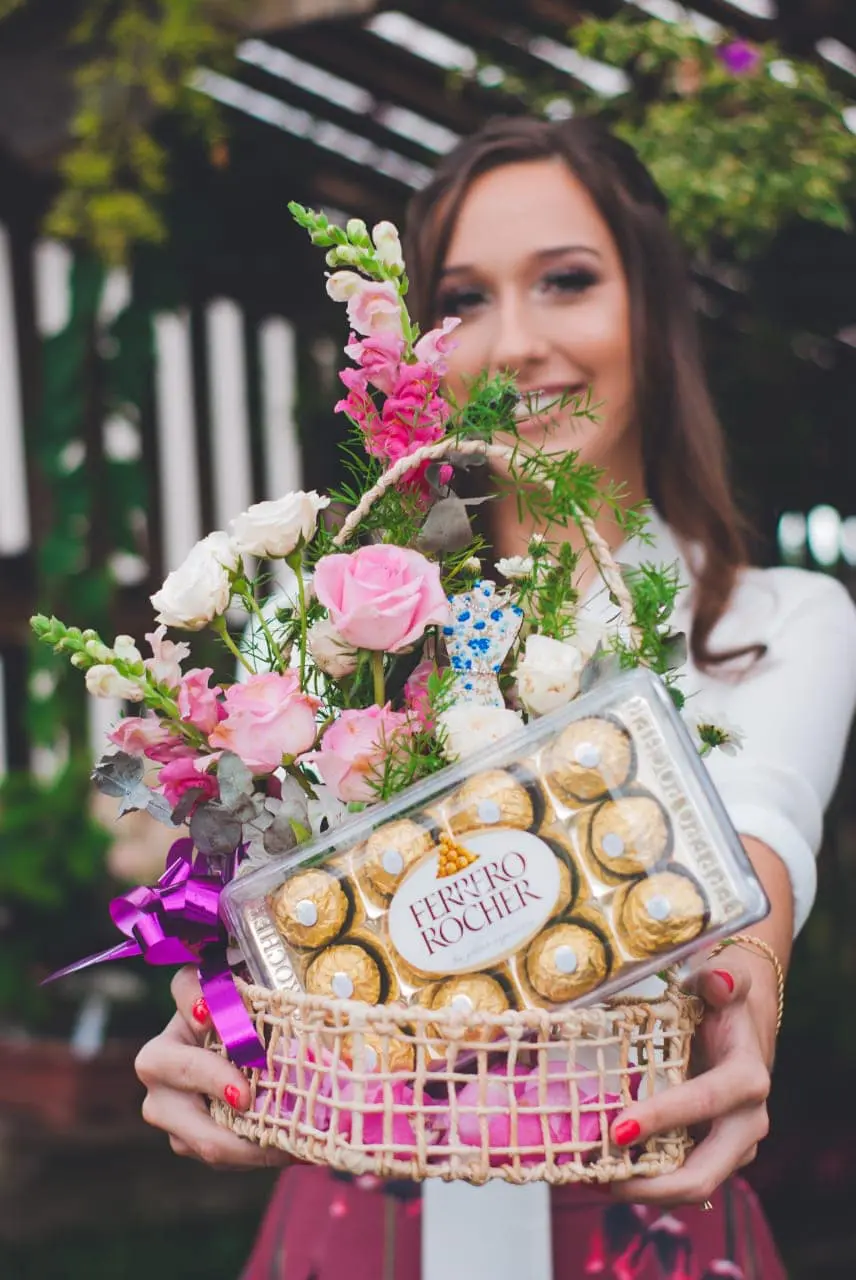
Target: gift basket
(441,824)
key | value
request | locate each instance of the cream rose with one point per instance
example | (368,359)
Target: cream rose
(105,682)
(467,728)
(200,589)
(548,674)
(272,530)
(330,652)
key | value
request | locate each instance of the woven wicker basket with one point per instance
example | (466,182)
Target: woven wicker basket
(412,1093)
(521,1096)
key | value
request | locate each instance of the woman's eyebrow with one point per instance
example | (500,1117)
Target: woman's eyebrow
(541,255)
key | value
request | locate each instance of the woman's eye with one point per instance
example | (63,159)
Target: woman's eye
(576,280)
(458,302)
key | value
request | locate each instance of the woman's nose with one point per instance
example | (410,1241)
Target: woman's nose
(518,346)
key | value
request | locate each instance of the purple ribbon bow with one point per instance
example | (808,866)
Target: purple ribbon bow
(177,921)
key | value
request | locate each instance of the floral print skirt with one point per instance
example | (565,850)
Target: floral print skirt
(324,1226)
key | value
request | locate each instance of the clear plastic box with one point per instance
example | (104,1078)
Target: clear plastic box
(554,868)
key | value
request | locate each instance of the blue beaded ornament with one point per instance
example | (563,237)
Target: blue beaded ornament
(484,626)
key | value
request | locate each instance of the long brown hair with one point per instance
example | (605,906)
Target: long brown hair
(682,440)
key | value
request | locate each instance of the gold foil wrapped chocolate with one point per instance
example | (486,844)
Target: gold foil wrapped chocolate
(495,798)
(349,971)
(366,1052)
(390,852)
(661,911)
(311,909)
(629,835)
(589,759)
(569,874)
(472,993)
(567,960)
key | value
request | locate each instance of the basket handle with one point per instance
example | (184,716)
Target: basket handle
(597,546)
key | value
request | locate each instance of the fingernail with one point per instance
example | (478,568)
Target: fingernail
(726,977)
(626,1132)
(232,1094)
(200,1010)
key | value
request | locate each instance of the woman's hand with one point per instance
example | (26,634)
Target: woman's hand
(180,1075)
(732,1054)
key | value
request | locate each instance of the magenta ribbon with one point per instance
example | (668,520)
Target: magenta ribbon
(177,921)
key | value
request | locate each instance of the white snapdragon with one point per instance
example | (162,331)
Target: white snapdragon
(273,530)
(200,589)
(125,648)
(388,246)
(103,681)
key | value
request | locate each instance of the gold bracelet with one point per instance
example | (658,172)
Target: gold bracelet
(749,940)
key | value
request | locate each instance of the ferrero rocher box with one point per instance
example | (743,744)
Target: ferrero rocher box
(588,851)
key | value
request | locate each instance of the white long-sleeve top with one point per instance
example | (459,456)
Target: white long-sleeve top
(794,706)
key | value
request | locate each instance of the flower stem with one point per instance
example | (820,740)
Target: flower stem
(377,677)
(219,625)
(294,563)
(276,663)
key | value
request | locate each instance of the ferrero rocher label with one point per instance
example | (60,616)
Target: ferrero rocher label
(469,920)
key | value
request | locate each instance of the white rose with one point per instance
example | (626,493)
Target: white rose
(125,648)
(105,682)
(331,653)
(468,728)
(513,567)
(548,674)
(199,589)
(388,245)
(272,530)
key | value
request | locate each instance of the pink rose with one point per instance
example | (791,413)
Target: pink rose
(381,597)
(354,748)
(138,734)
(416,697)
(183,774)
(266,718)
(199,705)
(164,664)
(434,346)
(379,357)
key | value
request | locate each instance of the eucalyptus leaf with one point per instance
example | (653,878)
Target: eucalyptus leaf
(280,836)
(234,778)
(118,774)
(675,651)
(214,830)
(602,665)
(447,525)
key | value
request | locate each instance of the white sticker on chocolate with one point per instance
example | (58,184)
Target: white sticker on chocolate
(464,922)
(306,912)
(342,986)
(612,844)
(587,754)
(393,862)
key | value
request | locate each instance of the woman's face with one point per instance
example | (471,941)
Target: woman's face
(534,274)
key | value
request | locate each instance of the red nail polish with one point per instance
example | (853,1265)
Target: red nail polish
(626,1132)
(232,1094)
(200,1010)
(726,977)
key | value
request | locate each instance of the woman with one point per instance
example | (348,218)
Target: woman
(551,242)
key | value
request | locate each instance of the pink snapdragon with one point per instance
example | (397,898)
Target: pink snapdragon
(379,357)
(267,718)
(381,596)
(137,735)
(355,747)
(374,306)
(198,704)
(184,774)
(165,663)
(434,346)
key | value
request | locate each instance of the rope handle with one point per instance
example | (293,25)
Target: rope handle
(597,546)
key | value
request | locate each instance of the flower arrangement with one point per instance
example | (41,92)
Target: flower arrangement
(348,691)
